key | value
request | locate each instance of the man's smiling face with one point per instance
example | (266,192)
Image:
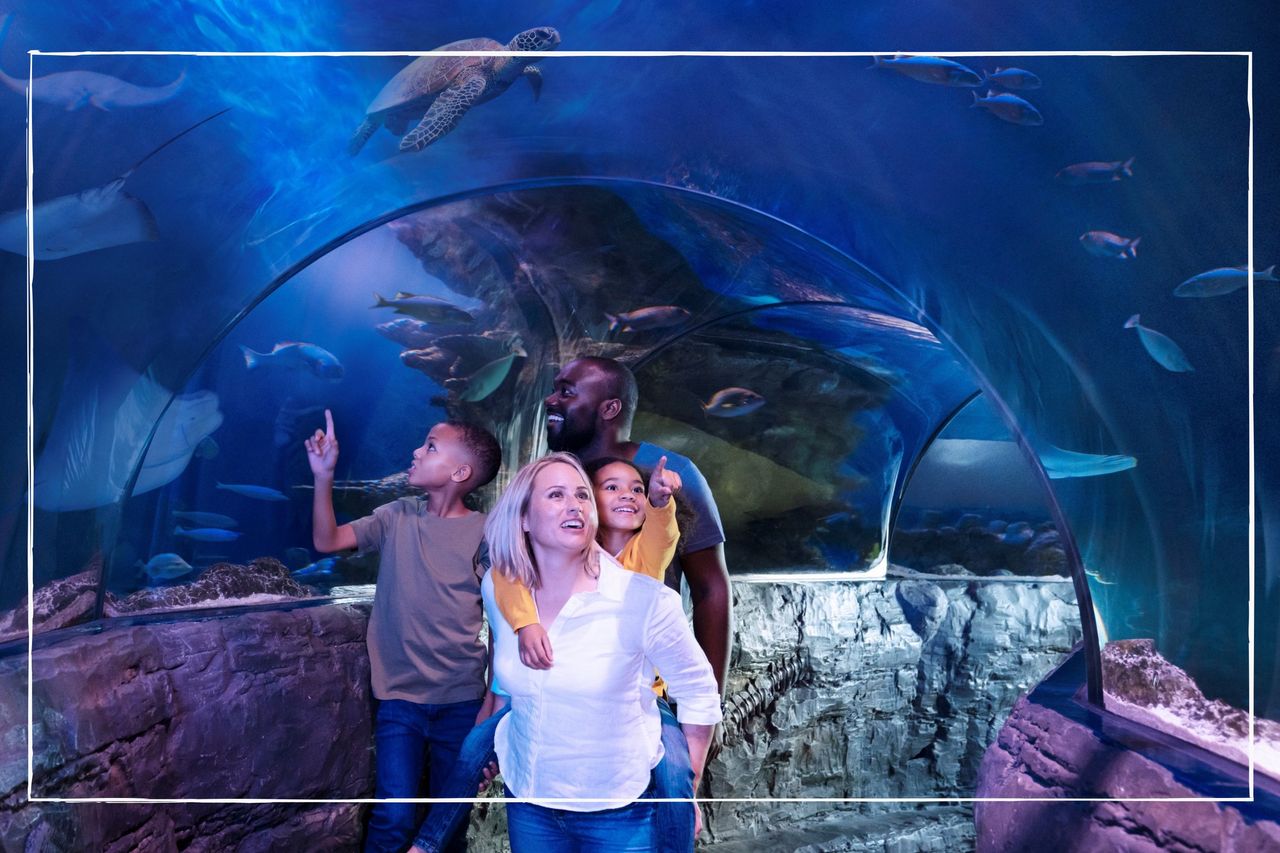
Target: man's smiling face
(573,405)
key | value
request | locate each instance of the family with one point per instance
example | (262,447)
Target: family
(594,698)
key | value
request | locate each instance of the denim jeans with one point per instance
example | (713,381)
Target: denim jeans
(538,829)
(673,778)
(444,819)
(408,737)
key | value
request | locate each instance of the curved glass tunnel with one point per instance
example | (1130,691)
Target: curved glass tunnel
(699,198)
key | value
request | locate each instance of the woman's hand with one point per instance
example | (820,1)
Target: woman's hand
(535,646)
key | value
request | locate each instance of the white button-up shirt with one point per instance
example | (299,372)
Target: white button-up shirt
(588,728)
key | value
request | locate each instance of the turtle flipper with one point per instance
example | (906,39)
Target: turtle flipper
(361,136)
(444,114)
(534,75)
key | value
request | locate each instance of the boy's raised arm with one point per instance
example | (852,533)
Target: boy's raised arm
(322,455)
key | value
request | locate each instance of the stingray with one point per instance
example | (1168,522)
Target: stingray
(74,89)
(96,218)
(100,431)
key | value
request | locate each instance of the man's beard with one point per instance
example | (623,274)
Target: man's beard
(570,438)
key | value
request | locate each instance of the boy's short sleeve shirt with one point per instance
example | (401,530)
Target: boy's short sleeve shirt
(424,631)
(707,530)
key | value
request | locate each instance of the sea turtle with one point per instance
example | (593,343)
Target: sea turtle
(445,87)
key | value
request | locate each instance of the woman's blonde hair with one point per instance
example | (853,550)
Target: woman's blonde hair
(504,529)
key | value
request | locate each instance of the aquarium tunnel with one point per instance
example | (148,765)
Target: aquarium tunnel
(916,340)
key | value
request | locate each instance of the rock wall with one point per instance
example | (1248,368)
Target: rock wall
(271,704)
(865,689)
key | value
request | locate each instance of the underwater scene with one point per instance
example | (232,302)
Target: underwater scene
(914,315)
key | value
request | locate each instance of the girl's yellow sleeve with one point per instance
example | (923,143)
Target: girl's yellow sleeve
(515,601)
(650,551)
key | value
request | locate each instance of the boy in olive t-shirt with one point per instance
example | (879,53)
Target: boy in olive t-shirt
(426,661)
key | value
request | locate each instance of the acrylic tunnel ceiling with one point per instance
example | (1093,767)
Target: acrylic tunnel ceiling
(861,248)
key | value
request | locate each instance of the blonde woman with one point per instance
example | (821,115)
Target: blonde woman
(581,737)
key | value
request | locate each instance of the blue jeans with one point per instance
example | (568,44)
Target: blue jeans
(673,778)
(444,819)
(538,829)
(409,736)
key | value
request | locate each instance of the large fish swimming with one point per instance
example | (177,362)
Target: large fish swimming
(248,490)
(207,534)
(166,567)
(205,519)
(1010,108)
(930,69)
(489,378)
(72,90)
(644,319)
(1160,347)
(1096,172)
(410,333)
(96,218)
(1222,280)
(1104,244)
(296,355)
(111,421)
(429,309)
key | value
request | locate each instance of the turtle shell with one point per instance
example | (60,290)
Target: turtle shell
(428,76)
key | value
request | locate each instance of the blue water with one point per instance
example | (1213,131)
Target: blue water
(932,211)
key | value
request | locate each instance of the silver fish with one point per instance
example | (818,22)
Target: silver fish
(1104,244)
(166,566)
(320,568)
(1009,108)
(930,69)
(1096,172)
(206,534)
(296,355)
(733,403)
(644,319)
(426,308)
(408,332)
(1160,347)
(205,519)
(1222,280)
(1013,78)
(96,218)
(262,493)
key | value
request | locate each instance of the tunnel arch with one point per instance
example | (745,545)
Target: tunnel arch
(844,286)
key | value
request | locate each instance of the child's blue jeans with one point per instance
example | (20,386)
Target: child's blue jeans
(408,737)
(673,778)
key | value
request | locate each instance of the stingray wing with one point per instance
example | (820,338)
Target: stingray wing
(97,218)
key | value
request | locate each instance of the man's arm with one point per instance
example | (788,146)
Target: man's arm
(708,579)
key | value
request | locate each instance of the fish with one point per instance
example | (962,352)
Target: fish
(297,356)
(645,319)
(206,534)
(319,568)
(1009,108)
(1096,172)
(1160,347)
(1104,244)
(408,332)
(166,566)
(205,519)
(733,403)
(930,69)
(96,218)
(110,421)
(262,493)
(1222,280)
(489,378)
(426,308)
(1012,78)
